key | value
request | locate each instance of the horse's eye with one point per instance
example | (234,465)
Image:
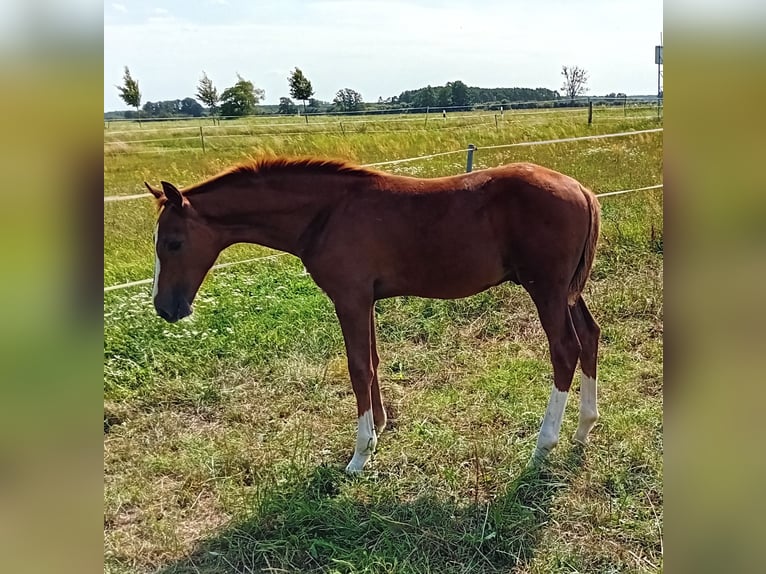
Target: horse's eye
(174,245)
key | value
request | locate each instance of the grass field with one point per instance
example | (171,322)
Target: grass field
(225,435)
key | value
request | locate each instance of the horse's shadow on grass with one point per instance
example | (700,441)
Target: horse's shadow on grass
(319,525)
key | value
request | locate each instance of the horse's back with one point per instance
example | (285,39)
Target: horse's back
(455,236)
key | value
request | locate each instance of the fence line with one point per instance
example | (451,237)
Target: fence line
(417,158)
(219,266)
(573,139)
(658,186)
(125,197)
(254,259)
(414,117)
(580,101)
(408,159)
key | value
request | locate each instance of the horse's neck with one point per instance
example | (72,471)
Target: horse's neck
(271,214)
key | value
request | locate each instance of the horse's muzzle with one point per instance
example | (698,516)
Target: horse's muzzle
(176,312)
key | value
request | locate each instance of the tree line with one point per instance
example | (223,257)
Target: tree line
(243,98)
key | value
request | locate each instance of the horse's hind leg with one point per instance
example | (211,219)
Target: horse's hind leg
(565,350)
(588,332)
(378,411)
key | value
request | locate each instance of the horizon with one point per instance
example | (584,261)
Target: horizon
(298,102)
(379,49)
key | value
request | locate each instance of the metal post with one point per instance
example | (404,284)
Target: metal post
(202,137)
(590,111)
(658,56)
(469,162)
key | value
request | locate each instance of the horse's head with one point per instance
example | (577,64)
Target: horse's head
(185,249)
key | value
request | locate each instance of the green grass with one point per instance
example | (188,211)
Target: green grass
(225,435)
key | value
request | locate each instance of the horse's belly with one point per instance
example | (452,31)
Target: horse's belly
(448,282)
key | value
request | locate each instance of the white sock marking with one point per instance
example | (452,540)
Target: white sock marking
(156,284)
(588,408)
(549,430)
(366,441)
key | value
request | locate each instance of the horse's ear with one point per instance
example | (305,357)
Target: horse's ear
(155,192)
(172,194)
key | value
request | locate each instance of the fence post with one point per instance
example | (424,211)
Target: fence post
(469,161)
(341,128)
(202,137)
(590,111)
(426,123)
(496,121)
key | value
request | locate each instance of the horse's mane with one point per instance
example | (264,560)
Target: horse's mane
(274,165)
(266,166)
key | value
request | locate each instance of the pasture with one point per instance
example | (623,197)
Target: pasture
(226,434)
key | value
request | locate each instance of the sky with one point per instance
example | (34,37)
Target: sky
(378,48)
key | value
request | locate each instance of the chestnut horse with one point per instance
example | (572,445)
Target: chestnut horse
(365,235)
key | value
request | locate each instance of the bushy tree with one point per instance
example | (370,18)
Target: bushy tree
(287,107)
(575,80)
(191,107)
(241,98)
(300,87)
(129,91)
(315,106)
(458,93)
(348,100)
(207,93)
(444,97)
(425,98)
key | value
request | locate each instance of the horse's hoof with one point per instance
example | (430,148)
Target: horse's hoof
(537,458)
(351,471)
(356,466)
(580,440)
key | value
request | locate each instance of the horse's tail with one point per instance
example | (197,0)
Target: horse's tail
(589,250)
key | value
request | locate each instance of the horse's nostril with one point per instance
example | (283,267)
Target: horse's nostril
(162,313)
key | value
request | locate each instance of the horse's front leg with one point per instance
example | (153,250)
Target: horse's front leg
(354,317)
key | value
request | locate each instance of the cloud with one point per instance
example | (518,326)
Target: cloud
(119,7)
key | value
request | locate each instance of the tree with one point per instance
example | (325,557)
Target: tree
(459,93)
(300,87)
(287,107)
(207,93)
(129,91)
(191,107)
(444,97)
(316,106)
(241,98)
(348,100)
(425,98)
(575,79)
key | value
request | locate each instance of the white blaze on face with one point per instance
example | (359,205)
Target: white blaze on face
(366,441)
(156,284)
